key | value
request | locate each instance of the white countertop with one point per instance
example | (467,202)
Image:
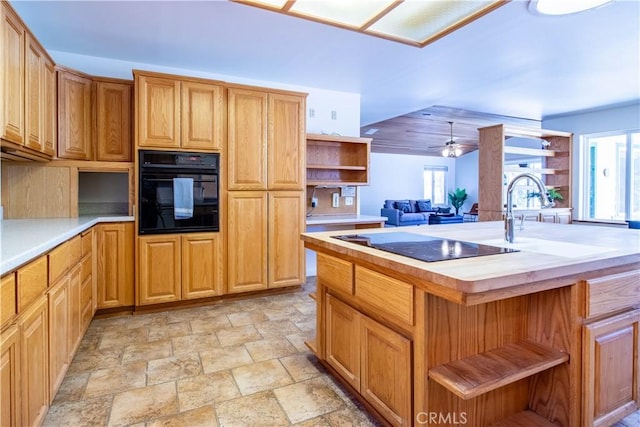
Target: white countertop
(343,219)
(22,240)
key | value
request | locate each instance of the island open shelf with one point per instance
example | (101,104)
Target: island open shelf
(478,374)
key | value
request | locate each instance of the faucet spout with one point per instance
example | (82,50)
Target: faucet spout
(545,201)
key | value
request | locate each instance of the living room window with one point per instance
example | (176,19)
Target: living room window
(435,184)
(611,176)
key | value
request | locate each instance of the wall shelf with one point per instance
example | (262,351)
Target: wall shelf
(472,376)
(337,160)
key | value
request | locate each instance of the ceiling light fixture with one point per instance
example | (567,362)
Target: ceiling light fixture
(416,23)
(451,149)
(564,7)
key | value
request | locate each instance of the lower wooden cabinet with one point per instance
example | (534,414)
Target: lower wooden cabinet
(10,389)
(175,267)
(372,358)
(114,275)
(611,360)
(59,337)
(264,249)
(75,309)
(34,362)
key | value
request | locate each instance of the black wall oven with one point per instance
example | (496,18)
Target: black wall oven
(178,192)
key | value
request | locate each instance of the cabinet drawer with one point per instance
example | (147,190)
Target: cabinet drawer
(31,282)
(87,242)
(391,296)
(59,261)
(7,298)
(611,293)
(75,250)
(335,273)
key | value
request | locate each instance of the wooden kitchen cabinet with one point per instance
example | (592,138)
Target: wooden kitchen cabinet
(286,221)
(113,118)
(371,358)
(179,113)
(34,362)
(202,112)
(114,264)
(26,90)
(10,390)
(50,109)
(74,115)
(266,140)
(179,267)
(247,139)
(201,261)
(59,328)
(159,275)
(612,368)
(8,307)
(75,309)
(286,163)
(247,245)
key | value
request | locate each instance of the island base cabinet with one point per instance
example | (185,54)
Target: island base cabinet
(612,369)
(34,363)
(10,378)
(370,357)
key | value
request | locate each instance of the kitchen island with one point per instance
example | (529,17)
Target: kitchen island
(547,335)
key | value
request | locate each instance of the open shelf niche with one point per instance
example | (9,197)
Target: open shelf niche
(337,160)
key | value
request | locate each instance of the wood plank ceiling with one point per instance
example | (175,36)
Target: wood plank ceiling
(424,132)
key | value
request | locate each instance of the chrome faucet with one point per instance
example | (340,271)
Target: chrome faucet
(545,201)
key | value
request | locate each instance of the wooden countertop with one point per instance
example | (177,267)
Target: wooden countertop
(551,256)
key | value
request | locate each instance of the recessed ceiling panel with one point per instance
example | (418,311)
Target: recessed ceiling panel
(414,22)
(421,20)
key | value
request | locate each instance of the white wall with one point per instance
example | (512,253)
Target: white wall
(467,177)
(623,117)
(345,104)
(399,176)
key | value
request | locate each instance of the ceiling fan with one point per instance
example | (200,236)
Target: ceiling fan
(451,148)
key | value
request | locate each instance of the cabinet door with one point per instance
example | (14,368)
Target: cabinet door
(10,378)
(547,217)
(247,243)
(59,338)
(50,109)
(386,372)
(75,309)
(158,112)
(114,247)
(159,269)
(342,340)
(247,139)
(286,250)
(286,138)
(201,261)
(564,217)
(612,369)
(34,362)
(74,118)
(203,115)
(34,95)
(113,121)
(12,76)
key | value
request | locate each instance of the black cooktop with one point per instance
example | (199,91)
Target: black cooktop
(423,248)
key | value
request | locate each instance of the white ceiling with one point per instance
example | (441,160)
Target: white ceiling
(509,62)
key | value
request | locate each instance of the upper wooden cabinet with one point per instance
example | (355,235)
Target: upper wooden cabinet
(337,160)
(178,113)
(266,140)
(113,120)
(26,90)
(74,118)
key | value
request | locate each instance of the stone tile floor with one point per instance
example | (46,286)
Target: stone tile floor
(240,363)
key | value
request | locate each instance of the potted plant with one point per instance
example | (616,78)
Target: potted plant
(457,198)
(553,193)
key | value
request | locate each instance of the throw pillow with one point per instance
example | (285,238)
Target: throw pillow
(424,205)
(403,206)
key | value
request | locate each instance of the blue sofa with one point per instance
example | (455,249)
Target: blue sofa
(409,212)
